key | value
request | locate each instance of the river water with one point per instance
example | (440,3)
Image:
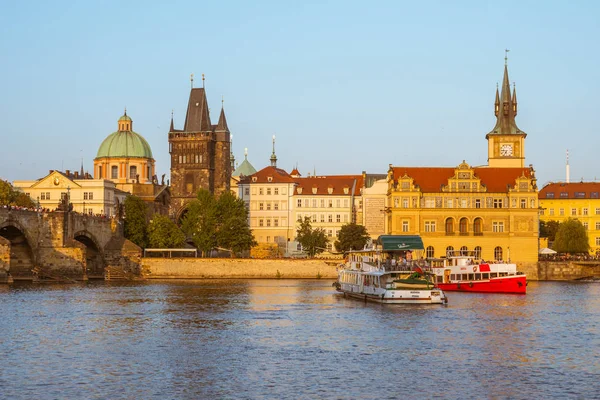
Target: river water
(294,339)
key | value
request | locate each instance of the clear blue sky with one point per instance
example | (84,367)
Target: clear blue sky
(345,86)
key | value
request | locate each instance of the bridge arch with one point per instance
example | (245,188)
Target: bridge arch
(22,252)
(95,262)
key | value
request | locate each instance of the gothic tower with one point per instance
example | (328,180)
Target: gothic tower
(506,142)
(200,154)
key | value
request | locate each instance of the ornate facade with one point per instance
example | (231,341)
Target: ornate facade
(492,210)
(200,154)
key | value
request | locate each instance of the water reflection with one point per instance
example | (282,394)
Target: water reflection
(293,339)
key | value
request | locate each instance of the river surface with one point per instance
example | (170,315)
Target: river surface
(294,339)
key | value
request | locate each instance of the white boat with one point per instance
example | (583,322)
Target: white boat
(365,277)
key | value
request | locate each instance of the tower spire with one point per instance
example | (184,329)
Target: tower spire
(497,102)
(505,106)
(514,98)
(192,80)
(273,156)
(172,128)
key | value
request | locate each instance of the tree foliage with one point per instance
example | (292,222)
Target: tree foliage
(233,232)
(313,241)
(549,229)
(12,197)
(352,237)
(221,222)
(135,220)
(571,237)
(164,233)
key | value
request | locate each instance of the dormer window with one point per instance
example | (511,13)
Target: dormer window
(270,179)
(314,190)
(346,190)
(330,190)
(253,179)
(299,190)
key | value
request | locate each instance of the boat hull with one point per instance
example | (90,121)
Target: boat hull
(511,284)
(434,296)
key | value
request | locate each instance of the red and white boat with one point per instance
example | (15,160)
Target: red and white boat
(461,272)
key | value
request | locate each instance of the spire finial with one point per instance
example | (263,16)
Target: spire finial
(125,110)
(222,101)
(202,81)
(172,112)
(246,153)
(506,56)
(273,156)
(192,80)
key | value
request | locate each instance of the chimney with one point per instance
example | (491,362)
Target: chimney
(51,171)
(76,175)
(68,173)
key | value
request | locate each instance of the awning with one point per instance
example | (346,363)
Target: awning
(400,242)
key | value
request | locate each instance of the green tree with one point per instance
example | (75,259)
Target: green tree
(6,192)
(164,233)
(352,237)
(313,241)
(571,237)
(549,229)
(135,220)
(199,222)
(13,197)
(233,232)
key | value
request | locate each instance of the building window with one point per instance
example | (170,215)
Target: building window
(345,218)
(550,195)
(449,251)
(404,226)
(322,217)
(573,211)
(585,225)
(314,203)
(114,172)
(299,203)
(314,218)
(43,196)
(260,191)
(477,203)
(132,172)
(322,203)
(338,218)
(477,252)
(429,226)
(276,206)
(561,211)
(498,226)
(346,203)
(261,222)
(268,191)
(330,218)
(598,226)
(523,203)
(268,206)
(597,211)
(464,251)
(430,202)
(580,195)
(247,191)
(329,233)
(430,252)
(462,226)
(448,203)
(498,253)
(85,195)
(404,202)
(497,203)
(261,206)
(330,203)
(584,211)
(338,203)
(564,195)
(597,241)
(99,171)
(551,211)
(268,239)
(268,222)
(449,226)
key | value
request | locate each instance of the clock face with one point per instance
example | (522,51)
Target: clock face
(506,150)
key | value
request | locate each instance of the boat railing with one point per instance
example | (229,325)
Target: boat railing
(407,266)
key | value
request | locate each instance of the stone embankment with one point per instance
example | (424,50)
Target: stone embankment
(202,268)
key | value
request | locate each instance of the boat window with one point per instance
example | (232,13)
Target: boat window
(452,277)
(471,277)
(440,279)
(494,275)
(486,276)
(477,276)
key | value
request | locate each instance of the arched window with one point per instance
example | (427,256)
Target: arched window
(477,253)
(464,251)
(429,252)
(478,227)
(449,226)
(462,226)
(449,251)
(114,172)
(498,253)
(132,172)
(99,172)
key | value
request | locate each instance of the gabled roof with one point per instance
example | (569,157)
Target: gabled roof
(431,179)
(584,190)
(269,175)
(323,184)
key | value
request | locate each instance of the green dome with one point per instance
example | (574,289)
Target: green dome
(125,117)
(124,144)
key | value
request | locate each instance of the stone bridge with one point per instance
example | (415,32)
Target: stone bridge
(63,246)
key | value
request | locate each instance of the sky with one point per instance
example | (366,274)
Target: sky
(345,86)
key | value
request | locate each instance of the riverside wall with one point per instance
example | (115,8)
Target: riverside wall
(243,268)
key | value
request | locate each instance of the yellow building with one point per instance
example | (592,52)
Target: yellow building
(559,201)
(88,196)
(492,210)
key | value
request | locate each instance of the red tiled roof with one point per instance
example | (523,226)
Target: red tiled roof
(277,175)
(584,190)
(431,179)
(336,182)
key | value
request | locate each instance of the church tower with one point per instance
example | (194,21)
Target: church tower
(506,142)
(200,153)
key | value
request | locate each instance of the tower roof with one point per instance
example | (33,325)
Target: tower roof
(506,112)
(222,125)
(197,118)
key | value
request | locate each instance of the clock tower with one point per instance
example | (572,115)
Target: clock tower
(506,142)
